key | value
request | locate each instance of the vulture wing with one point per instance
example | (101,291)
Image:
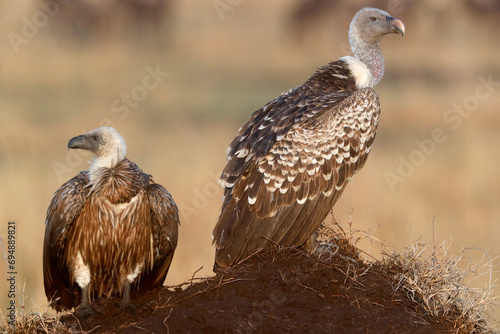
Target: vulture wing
(164,223)
(291,161)
(63,211)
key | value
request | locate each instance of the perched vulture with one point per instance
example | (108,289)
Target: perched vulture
(292,159)
(107,229)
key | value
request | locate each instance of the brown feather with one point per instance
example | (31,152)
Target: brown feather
(121,221)
(297,165)
(63,210)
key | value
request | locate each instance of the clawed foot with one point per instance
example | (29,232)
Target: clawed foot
(322,244)
(325,251)
(128,307)
(85,312)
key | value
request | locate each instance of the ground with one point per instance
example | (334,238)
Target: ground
(324,286)
(278,291)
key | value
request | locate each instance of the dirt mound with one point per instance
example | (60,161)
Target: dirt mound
(285,291)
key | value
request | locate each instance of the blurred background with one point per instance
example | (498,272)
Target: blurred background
(178,78)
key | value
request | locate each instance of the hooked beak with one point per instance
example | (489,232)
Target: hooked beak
(78,142)
(397,25)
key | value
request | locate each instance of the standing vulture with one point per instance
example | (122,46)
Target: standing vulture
(107,229)
(292,159)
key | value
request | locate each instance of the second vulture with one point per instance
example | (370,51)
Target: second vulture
(108,229)
(293,158)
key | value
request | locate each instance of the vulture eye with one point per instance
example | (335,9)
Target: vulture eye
(373,19)
(95,137)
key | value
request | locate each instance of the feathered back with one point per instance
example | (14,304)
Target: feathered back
(291,161)
(274,120)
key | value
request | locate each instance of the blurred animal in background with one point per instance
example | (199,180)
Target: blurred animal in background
(484,7)
(293,158)
(307,20)
(307,16)
(89,18)
(108,230)
(148,13)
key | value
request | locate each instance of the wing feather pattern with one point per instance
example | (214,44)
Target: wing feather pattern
(63,211)
(165,222)
(282,183)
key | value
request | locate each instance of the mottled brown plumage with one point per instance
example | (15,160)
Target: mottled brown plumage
(116,225)
(292,159)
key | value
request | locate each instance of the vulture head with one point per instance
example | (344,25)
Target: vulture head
(370,24)
(106,143)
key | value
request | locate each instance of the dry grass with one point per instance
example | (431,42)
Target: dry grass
(441,287)
(440,283)
(33,321)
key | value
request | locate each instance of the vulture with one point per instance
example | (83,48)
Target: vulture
(108,230)
(293,158)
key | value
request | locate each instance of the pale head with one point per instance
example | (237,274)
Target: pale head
(106,143)
(370,24)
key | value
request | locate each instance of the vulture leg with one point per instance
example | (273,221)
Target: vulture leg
(85,310)
(126,304)
(325,251)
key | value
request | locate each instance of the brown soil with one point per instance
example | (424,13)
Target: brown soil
(287,291)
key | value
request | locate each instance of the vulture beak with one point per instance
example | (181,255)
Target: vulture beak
(79,142)
(397,25)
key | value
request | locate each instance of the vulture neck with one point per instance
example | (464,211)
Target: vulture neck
(101,162)
(368,52)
